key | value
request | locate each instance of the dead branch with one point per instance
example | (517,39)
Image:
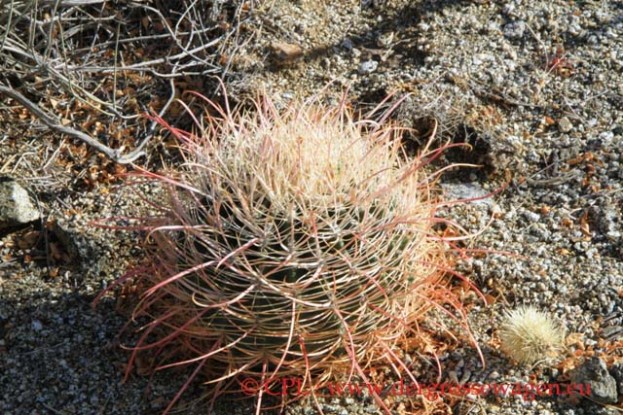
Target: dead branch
(114,154)
(117,61)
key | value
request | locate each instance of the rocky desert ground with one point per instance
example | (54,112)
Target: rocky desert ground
(534,87)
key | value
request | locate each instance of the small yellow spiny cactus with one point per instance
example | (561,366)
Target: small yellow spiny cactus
(528,335)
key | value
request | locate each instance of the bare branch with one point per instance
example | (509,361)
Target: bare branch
(117,61)
(48,120)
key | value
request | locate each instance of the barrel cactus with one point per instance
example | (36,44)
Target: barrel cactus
(298,242)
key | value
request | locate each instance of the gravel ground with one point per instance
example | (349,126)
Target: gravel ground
(535,87)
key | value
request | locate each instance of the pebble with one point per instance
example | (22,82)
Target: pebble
(368,66)
(515,30)
(286,52)
(564,125)
(531,216)
(347,44)
(616,371)
(36,325)
(594,372)
(465,191)
(16,206)
(494,375)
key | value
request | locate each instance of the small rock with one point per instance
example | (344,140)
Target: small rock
(286,53)
(16,207)
(564,125)
(494,375)
(467,374)
(594,372)
(453,376)
(612,332)
(385,40)
(508,9)
(515,30)
(368,67)
(68,248)
(531,216)
(423,27)
(2,334)
(480,58)
(347,44)
(616,371)
(36,325)
(608,221)
(467,192)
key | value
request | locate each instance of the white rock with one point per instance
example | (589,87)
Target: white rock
(564,125)
(368,67)
(16,208)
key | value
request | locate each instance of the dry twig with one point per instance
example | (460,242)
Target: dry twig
(56,126)
(108,64)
